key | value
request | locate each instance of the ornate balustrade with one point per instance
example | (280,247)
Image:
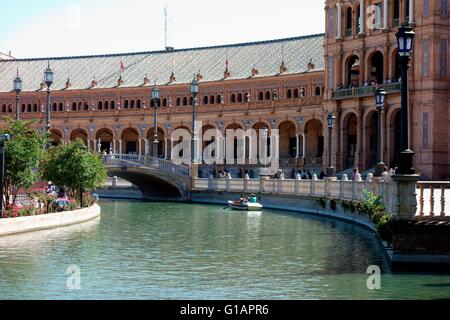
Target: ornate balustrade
(138,161)
(434,200)
(339,189)
(365,91)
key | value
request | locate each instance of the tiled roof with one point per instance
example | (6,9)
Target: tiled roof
(266,56)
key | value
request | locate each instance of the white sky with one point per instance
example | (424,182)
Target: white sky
(80,27)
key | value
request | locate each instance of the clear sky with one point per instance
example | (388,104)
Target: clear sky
(43,28)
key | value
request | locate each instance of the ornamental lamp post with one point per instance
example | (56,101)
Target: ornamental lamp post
(380,96)
(17,87)
(405,40)
(48,79)
(194,92)
(331,172)
(155,98)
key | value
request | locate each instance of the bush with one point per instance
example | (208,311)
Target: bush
(333,204)
(323,203)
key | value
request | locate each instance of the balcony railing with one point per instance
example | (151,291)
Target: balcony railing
(360,92)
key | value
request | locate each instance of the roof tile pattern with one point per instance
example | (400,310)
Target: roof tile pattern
(266,56)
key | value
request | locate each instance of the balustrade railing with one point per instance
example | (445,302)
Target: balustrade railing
(433,200)
(338,189)
(365,91)
(139,161)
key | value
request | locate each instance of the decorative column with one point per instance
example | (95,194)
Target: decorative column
(385,14)
(361,15)
(140,147)
(146,144)
(297,150)
(120,146)
(304,145)
(166,149)
(411,12)
(339,13)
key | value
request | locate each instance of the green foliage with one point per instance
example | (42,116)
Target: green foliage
(333,204)
(23,153)
(348,206)
(74,167)
(323,203)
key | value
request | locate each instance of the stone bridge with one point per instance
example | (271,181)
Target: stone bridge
(157,179)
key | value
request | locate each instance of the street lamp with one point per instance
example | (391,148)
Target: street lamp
(155,97)
(331,172)
(194,92)
(48,79)
(3,138)
(17,87)
(380,96)
(405,39)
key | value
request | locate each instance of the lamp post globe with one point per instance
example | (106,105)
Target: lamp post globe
(331,171)
(405,40)
(17,88)
(155,98)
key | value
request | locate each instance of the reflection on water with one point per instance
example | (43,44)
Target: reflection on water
(178,251)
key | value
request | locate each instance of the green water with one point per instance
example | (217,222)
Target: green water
(179,251)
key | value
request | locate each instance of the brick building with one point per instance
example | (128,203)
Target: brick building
(289,84)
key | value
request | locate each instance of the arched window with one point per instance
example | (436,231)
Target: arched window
(212,99)
(358,18)
(261,96)
(60,107)
(23,107)
(106,105)
(396,13)
(289,94)
(406,10)
(54,106)
(185,101)
(29,107)
(138,103)
(267,95)
(178,101)
(80,106)
(353,72)
(164,102)
(240,97)
(191,101)
(113,105)
(132,102)
(74,106)
(233,98)
(376,68)
(220,99)
(205,100)
(126,104)
(100,105)
(317,92)
(4,108)
(295,93)
(35,107)
(86,106)
(348,22)
(302,92)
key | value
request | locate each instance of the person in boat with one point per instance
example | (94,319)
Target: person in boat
(253,198)
(243,199)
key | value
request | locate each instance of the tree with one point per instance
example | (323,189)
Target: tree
(23,154)
(74,167)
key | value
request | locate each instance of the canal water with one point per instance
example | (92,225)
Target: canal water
(143,250)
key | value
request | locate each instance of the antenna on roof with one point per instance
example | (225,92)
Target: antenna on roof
(166,27)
